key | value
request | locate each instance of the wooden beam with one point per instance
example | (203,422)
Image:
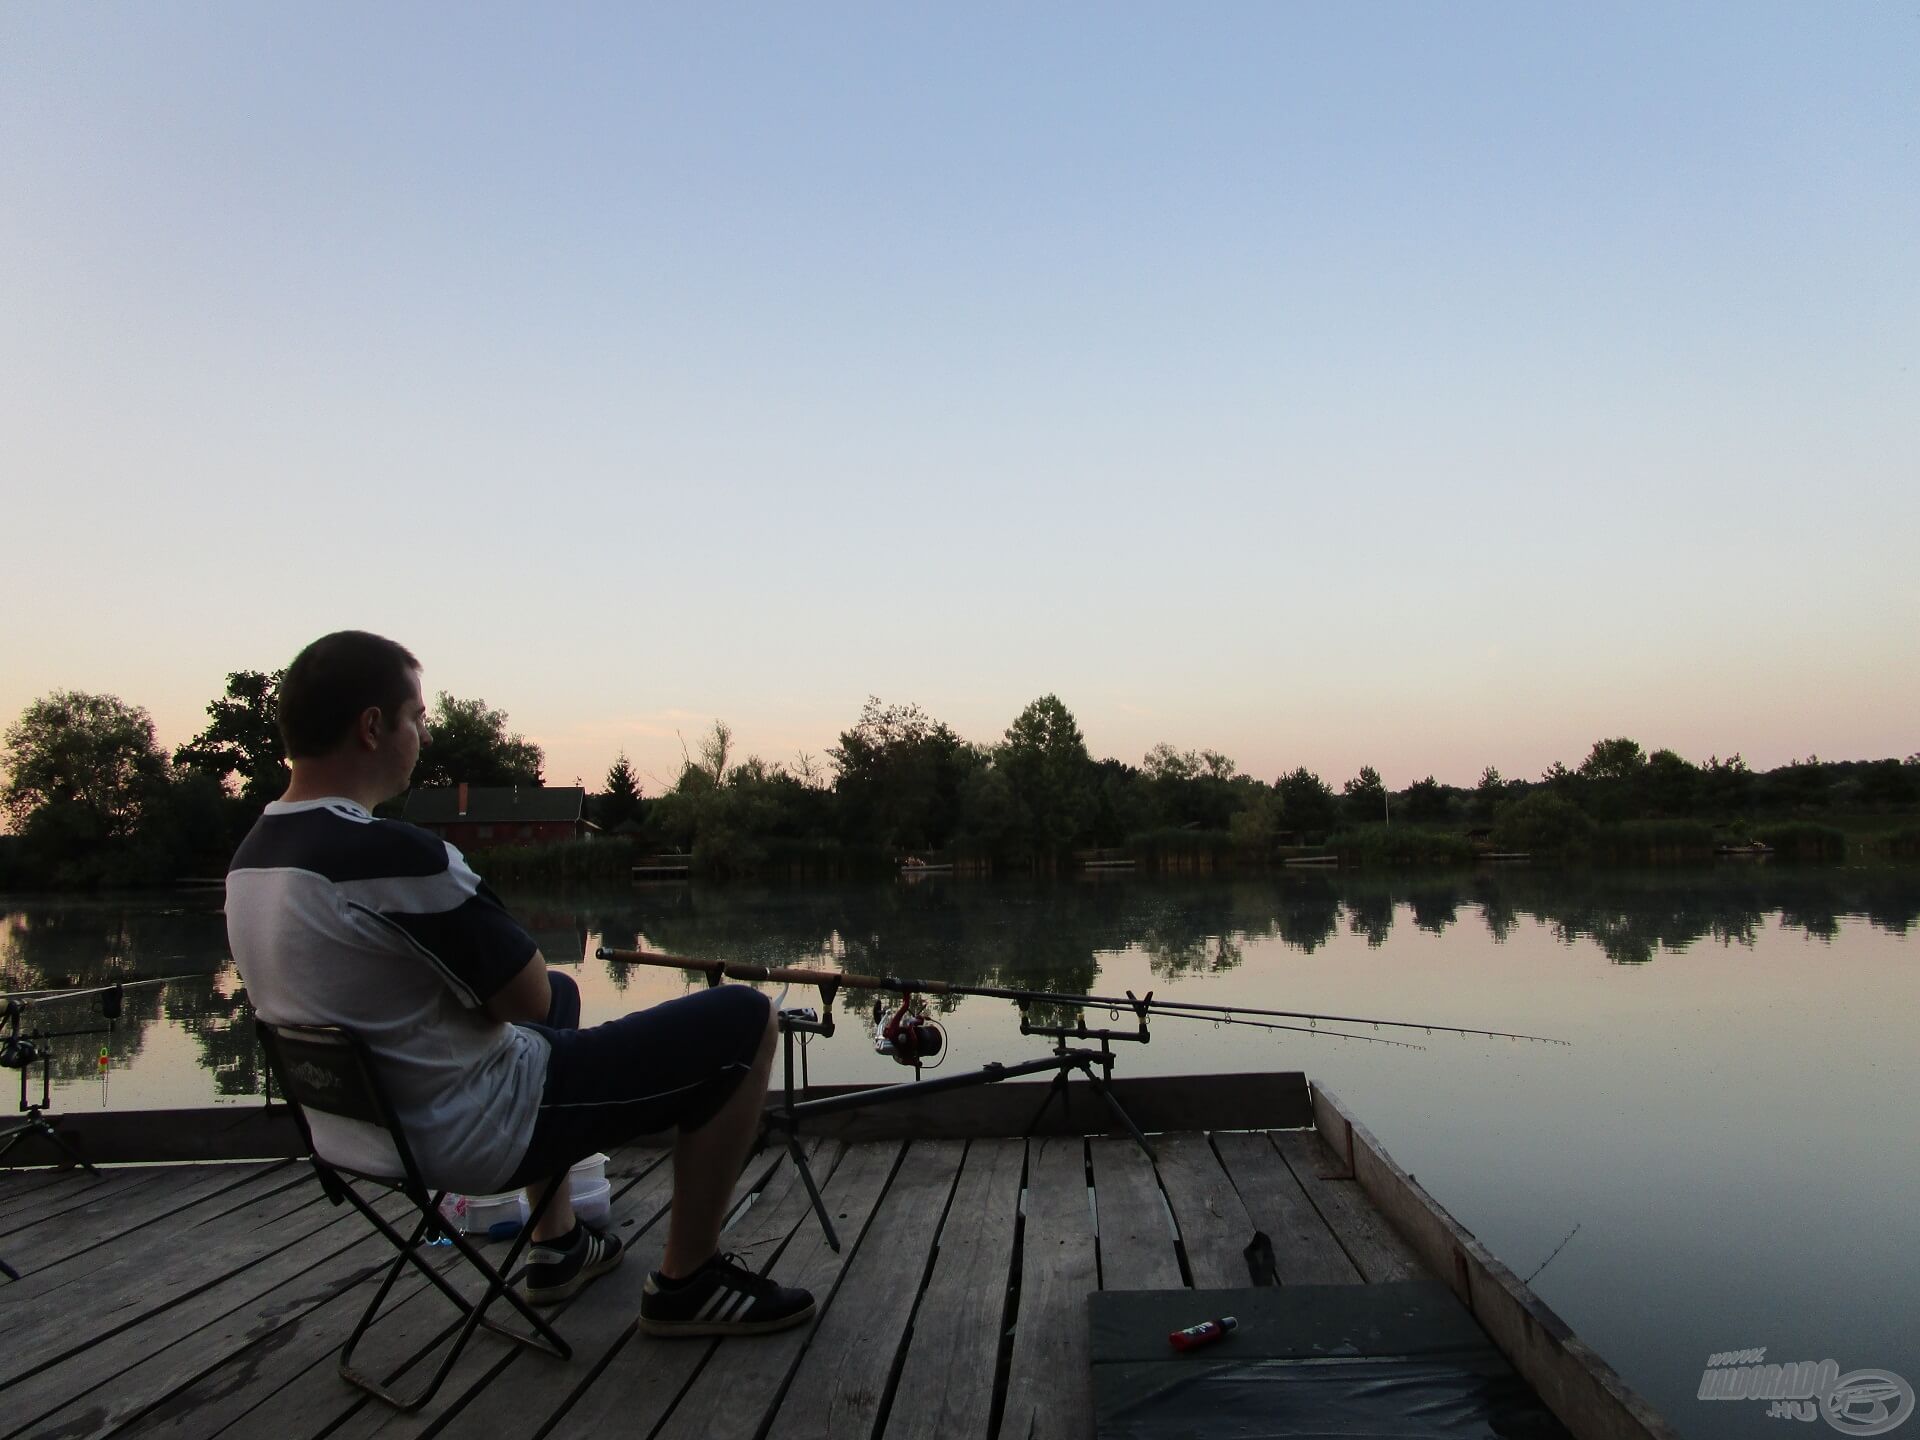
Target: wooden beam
(1274,1101)
(213,1132)
(1587,1395)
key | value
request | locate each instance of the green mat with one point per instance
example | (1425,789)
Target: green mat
(1336,1361)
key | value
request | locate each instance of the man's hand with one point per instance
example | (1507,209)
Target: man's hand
(527,997)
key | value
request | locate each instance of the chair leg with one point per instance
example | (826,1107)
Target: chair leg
(473,1313)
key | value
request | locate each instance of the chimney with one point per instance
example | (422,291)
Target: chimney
(463,797)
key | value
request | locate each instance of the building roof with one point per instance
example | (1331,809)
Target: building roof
(495,804)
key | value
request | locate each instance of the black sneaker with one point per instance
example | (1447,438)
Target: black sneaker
(722,1297)
(558,1269)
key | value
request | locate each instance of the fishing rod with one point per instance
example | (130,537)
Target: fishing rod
(53,993)
(1178,1009)
(1142,1006)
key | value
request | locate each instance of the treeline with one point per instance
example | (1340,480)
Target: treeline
(93,800)
(899,783)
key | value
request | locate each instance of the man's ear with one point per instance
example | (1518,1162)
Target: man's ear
(370,728)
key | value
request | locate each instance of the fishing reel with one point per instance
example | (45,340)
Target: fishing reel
(910,1035)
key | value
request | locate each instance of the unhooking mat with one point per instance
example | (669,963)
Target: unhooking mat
(1308,1362)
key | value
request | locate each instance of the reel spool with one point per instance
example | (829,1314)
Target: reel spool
(910,1035)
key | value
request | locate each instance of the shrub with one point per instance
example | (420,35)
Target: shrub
(1543,824)
(1401,845)
(1654,841)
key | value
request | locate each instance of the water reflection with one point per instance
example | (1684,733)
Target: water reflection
(1033,936)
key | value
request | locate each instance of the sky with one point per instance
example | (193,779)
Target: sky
(1419,386)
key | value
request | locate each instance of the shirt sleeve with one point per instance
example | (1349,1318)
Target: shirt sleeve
(453,920)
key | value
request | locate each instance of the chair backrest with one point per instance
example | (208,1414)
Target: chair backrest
(327,1069)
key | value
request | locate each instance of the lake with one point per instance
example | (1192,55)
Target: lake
(1729,1139)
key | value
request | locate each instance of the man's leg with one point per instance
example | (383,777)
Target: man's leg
(563,1013)
(707,1162)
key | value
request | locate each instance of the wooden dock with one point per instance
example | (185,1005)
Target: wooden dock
(212,1299)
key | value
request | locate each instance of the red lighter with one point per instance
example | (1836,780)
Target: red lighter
(1194,1336)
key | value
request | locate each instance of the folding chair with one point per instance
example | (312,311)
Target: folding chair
(328,1069)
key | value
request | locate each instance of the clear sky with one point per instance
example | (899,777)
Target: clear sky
(1416,385)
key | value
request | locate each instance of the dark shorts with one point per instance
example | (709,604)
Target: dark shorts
(665,1068)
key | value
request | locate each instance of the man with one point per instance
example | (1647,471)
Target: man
(337,918)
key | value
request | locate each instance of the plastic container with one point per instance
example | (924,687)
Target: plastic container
(589,1172)
(592,1205)
(483,1214)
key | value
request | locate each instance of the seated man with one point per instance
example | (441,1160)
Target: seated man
(337,918)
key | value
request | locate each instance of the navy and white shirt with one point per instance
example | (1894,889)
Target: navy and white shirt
(336,918)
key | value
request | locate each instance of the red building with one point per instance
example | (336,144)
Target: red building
(473,817)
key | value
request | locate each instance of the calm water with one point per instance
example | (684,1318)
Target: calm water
(1733,1131)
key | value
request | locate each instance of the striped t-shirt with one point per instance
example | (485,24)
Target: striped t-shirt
(336,918)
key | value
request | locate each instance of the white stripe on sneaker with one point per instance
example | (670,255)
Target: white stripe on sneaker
(713,1303)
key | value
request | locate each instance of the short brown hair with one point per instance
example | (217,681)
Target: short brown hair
(333,681)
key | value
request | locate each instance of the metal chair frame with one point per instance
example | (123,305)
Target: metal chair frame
(329,1069)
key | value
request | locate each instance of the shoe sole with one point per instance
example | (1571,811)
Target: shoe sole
(554,1294)
(672,1329)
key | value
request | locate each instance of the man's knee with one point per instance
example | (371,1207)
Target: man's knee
(563,1004)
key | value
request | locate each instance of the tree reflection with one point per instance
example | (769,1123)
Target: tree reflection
(1054,936)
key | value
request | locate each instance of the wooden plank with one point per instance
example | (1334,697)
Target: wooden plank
(292,1370)
(1049,1383)
(288,1374)
(110,1214)
(78,1189)
(19,1189)
(632,1393)
(1135,1231)
(1304,1250)
(60,1313)
(210,1132)
(127,1262)
(1581,1389)
(954,1348)
(1214,1226)
(112,1382)
(841,1380)
(734,1394)
(1275,1100)
(1369,1242)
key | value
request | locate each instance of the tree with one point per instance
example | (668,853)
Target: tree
(242,738)
(93,757)
(714,750)
(469,743)
(1163,762)
(1306,802)
(620,802)
(1619,759)
(1888,782)
(1670,784)
(1726,786)
(899,776)
(1488,794)
(1046,762)
(1364,798)
(1426,801)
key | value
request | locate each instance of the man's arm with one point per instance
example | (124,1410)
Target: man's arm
(526,997)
